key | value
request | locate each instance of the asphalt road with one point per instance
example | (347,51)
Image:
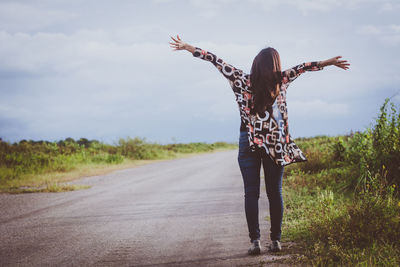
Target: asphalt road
(185,212)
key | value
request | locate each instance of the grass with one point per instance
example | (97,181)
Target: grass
(52,187)
(42,166)
(342,207)
(337,228)
(30,183)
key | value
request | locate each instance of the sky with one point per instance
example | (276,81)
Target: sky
(104,69)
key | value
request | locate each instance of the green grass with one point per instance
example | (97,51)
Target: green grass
(342,207)
(42,166)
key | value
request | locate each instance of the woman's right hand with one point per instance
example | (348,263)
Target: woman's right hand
(178,44)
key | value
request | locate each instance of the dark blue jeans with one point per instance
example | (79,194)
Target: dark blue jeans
(250,165)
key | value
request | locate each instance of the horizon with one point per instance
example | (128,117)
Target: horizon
(115,142)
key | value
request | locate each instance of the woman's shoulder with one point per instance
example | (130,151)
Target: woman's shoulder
(242,79)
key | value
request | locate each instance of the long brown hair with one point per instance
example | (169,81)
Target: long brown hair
(265,77)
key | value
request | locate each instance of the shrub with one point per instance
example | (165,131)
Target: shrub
(137,148)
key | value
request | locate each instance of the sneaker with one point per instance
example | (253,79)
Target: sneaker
(255,247)
(275,246)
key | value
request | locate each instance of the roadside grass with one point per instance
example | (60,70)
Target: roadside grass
(342,207)
(30,183)
(337,228)
(49,188)
(41,166)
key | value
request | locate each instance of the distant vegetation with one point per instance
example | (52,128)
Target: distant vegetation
(21,161)
(343,205)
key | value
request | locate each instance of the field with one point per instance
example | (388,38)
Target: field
(343,205)
(42,166)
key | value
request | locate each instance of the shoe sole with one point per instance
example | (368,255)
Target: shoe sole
(255,252)
(274,250)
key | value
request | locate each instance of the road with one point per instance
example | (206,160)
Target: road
(183,212)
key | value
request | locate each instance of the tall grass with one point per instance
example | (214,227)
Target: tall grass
(343,206)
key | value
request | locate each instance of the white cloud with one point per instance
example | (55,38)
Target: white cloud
(369,30)
(307,6)
(85,50)
(393,40)
(14,17)
(79,80)
(386,34)
(210,8)
(390,6)
(395,28)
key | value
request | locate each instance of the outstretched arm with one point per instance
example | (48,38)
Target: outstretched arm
(227,70)
(292,73)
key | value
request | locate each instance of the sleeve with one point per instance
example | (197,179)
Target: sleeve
(227,70)
(291,74)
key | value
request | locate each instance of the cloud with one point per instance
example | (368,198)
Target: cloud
(14,17)
(369,30)
(390,7)
(211,8)
(86,52)
(396,98)
(73,84)
(392,40)
(395,28)
(315,5)
(318,108)
(386,34)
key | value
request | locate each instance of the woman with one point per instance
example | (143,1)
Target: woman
(264,131)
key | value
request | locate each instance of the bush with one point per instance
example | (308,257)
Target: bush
(138,149)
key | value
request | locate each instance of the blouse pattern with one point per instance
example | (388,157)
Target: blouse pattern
(268,133)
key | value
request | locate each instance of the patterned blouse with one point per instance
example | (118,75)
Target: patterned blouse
(269,133)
